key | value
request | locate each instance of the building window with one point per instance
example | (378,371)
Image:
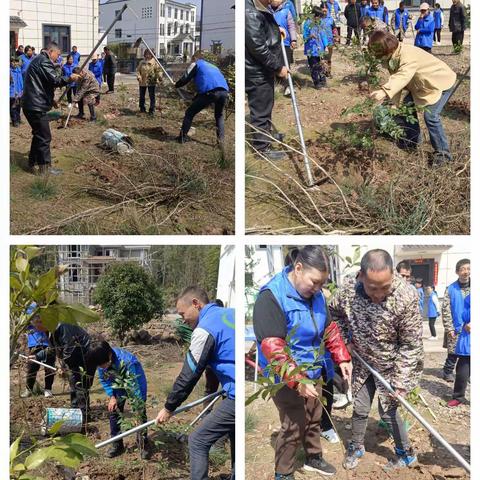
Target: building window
(169,12)
(118,33)
(181,14)
(193,17)
(162,9)
(162,29)
(187,28)
(74,251)
(59,34)
(176,13)
(181,29)
(169,29)
(175,28)
(73,273)
(147,12)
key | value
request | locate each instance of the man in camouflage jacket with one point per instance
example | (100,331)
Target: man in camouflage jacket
(88,93)
(452,310)
(377,312)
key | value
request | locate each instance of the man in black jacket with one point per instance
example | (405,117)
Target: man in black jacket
(109,69)
(70,344)
(41,79)
(456,23)
(353,14)
(263,60)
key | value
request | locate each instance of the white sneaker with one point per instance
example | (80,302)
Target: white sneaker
(432,338)
(340,400)
(48,393)
(287,92)
(435,43)
(439,43)
(330,436)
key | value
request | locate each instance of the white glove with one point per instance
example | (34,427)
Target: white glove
(70,106)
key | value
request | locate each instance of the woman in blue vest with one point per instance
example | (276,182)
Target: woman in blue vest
(117,367)
(376,10)
(16,91)
(292,328)
(211,87)
(462,350)
(38,343)
(400,21)
(425,27)
(433,310)
(328,25)
(438,20)
(67,71)
(96,67)
(25,59)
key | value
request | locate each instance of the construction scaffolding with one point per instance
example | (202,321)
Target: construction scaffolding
(86,263)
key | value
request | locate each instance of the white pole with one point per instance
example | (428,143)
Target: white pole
(37,362)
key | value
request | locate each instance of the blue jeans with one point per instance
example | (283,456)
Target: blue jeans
(438,139)
(216,424)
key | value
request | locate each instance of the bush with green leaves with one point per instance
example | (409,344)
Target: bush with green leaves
(129,297)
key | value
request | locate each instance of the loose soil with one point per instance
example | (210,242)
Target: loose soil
(96,179)
(162,363)
(434,463)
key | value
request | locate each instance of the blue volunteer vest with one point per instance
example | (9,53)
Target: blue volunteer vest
(97,70)
(457,303)
(16,85)
(307,320)
(375,13)
(220,323)
(25,63)
(209,77)
(281,17)
(426,27)
(364,10)
(401,18)
(76,58)
(463,342)
(437,18)
(36,338)
(432,309)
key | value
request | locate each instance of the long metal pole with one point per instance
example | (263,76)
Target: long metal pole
(306,161)
(37,362)
(444,443)
(151,422)
(117,18)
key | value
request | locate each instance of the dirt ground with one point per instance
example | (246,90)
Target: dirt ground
(162,363)
(374,183)
(103,193)
(434,463)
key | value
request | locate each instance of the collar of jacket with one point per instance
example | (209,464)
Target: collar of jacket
(291,290)
(260,7)
(205,309)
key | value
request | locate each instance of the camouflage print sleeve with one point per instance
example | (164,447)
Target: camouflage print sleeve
(338,314)
(80,91)
(410,347)
(447,313)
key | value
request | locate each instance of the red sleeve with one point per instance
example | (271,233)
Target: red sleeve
(334,343)
(274,349)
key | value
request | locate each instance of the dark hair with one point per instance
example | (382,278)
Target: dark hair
(69,56)
(77,70)
(192,292)
(401,4)
(317,11)
(461,263)
(376,261)
(219,302)
(106,49)
(404,265)
(74,47)
(52,46)
(437,5)
(419,280)
(20,46)
(27,48)
(98,352)
(382,43)
(310,256)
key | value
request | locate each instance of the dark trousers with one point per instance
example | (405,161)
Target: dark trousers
(70,92)
(317,71)
(81,109)
(111,81)
(457,38)
(104,76)
(217,424)
(41,138)
(115,427)
(462,375)
(260,94)
(437,35)
(33,368)
(327,402)
(351,30)
(219,98)
(15,110)
(151,94)
(361,409)
(301,425)
(431,324)
(450,363)
(211,385)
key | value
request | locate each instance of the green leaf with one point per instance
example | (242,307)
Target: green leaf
(14,448)
(66,456)
(56,427)
(15,283)
(32,252)
(35,459)
(21,264)
(45,283)
(253,397)
(80,443)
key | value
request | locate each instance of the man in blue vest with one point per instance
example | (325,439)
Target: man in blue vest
(212,88)
(75,55)
(378,11)
(16,91)
(452,311)
(26,58)
(400,21)
(425,27)
(421,294)
(213,344)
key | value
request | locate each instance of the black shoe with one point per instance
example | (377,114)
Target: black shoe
(146,450)
(80,116)
(318,464)
(93,119)
(16,124)
(151,114)
(448,377)
(142,110)
(273,154)
(116,449)
(440,158)
(183,138)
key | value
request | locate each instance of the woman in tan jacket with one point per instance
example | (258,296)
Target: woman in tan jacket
(148,75)
(428,81)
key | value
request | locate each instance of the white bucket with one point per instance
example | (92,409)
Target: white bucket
(71,417)
(117,141)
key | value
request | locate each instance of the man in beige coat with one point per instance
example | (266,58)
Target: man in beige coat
(148,75)
(428,81)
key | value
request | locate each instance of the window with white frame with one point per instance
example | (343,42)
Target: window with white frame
(169,29)
(169,12)
(162,29)
(181,14)
(147,12)
(176,13)
(118,33)
(187,28)
(162,9)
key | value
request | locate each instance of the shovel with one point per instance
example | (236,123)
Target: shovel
(37,362)
(70,109)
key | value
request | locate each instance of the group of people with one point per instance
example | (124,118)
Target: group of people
(33,80)
(81,356)
(374,313)
(427,81)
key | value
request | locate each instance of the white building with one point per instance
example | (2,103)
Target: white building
(226,276)
(168,27)
(218,26)
(66,22)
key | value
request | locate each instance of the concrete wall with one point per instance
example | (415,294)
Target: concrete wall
(218,24)
(80,16)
